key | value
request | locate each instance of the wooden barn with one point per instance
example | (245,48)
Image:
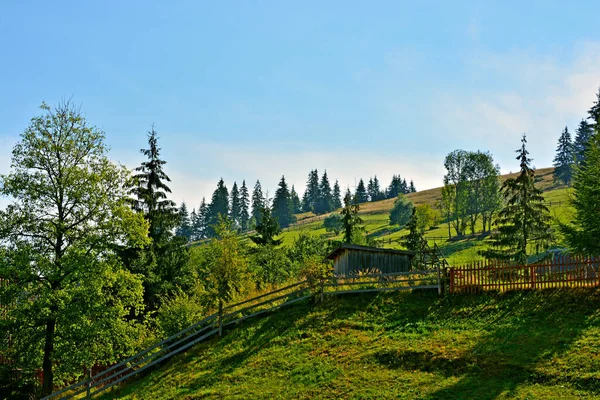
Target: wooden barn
(349,259)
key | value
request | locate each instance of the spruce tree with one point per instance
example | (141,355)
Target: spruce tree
(405,189)
(337,196)
(244,207)
(350,218)
(582,136)
(219,205)
(370,190)
(202,220)
(523,225)
(185,226)
(267,228)
(258,202)
(377,194)
(296,205)
(325,200)
(150,193)
(361,194)
(235,207)
(563,161)
(395,187)
(594,112)
(412,188)
(311,194)
(193,225)
(282,205)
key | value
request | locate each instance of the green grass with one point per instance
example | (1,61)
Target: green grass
(376,216)
(412,345)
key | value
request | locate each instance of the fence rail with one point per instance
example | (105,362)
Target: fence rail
(235,313)
(562,271)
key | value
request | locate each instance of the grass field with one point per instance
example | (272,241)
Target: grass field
(523,345)
(376,218)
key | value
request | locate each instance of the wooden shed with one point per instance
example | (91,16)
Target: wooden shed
(349,259)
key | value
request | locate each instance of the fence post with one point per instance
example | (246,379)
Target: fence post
(89,385)
(439,281)
(220,322)
(451,279)
(532,273)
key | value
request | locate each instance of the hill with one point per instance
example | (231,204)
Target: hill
(542,344)
(465,250)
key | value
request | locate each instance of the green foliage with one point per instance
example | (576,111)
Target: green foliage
(244,207)
(524,222)
(267,228)
(235,211)
(311,194)
(583,234)
(351,220)
(270,266)
(401,212)
(296,204)
(69,209)
(282,205)
(333,223)
(258,202)
(306,246)
(324,202)
(426,217)
(582,137)
(361,194)
(218,207)
(336,196)
(182,309)
(315,269)
(564,159)
(185,223)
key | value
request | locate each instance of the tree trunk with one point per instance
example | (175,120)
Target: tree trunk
(48,385)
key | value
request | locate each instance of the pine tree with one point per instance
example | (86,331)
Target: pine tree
(267,228)
(150,193)
(202,220)
(377,193)
(361,194)
(282,205)
(311,194)
(404,186)
(350,217)
(296,205)
(594,112)
(412,188)
(524,222)
(582,136)
(370,191)
(563,162)
(337,196)
(193,225)
(236,207)
(395,187)
(219,205)
(244,207)
(582,235)
(185,226)
(258,202)
(325,200)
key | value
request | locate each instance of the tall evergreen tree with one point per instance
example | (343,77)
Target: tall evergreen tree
(311,194)
(524,222)
(563,161)
(377,192)
(594,112)
(219,205)
(395,187)
(236,207)
(267,228)
(325,199)
(185,226)
(582,235)
(370,191)
(361,194)
(350,218)
(244,206)
(337,196)
(405,188)
(258,202)
(282,205)
(296,205)
(200,227)
(412,188)
(150,193)
(582,136)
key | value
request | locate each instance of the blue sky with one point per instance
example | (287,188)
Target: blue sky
(256,89)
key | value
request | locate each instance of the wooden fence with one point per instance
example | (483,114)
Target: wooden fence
(235,313)
(562,271)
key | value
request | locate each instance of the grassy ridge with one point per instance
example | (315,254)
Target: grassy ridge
(376,217)
(522,345)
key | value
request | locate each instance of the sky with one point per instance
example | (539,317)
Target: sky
(260,89)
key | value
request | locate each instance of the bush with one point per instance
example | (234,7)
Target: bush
(270,265)
(333,223)
(315,269)
(180,310)
(401,212)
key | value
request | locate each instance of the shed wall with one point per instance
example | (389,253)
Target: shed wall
(352,261)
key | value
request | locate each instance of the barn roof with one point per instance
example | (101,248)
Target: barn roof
(346,246)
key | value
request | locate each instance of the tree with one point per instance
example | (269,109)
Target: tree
(480,188)
(594,112)
(523,225)
(582,137)
(350,218)
(412,187)
(337,196)
(563,161)
(235,212)
(333,223)
(324,200)
(425,217)
(69,210)
(311,194)
(583,233)
(401,212)
(455,189)
(405,189)
(282,205)
(395,187)
(258,201)
(244,207)
(185,226)
(296,204)
(200,223)
(361,196)
(267,228)
(219,205)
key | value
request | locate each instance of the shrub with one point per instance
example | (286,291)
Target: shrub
(401,212)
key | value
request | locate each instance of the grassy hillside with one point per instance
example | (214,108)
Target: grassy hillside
(522,345)
(376,217)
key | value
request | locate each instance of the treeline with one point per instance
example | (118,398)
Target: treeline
(245,210)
